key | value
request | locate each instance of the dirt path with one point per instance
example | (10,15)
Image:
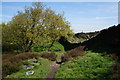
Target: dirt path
(54,67)
(52,72)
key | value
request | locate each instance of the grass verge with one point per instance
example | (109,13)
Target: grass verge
(90,66)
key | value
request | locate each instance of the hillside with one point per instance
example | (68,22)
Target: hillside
(108,41)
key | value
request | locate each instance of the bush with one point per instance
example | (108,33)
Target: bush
(9,68)
(8,55)
(73,53)
(50,56)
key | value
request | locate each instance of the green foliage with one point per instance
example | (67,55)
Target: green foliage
(57,47)
(90,66)
(41,69)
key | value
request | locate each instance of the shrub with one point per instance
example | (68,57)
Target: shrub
(76,52)
(9,68)
(73,53)
(50,56)
(8,55)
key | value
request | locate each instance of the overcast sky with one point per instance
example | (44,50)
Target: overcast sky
(83,16)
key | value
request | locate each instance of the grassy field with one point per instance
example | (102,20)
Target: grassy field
(91,65)
(41,69)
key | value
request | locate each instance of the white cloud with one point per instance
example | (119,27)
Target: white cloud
(113,17)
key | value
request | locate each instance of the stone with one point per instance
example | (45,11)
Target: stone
(28,66)
(35,60)
(29,72)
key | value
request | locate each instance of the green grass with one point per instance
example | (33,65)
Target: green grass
(91,65)
(57,47)
(41,69)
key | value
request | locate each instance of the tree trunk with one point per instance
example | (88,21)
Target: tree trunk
(28,47)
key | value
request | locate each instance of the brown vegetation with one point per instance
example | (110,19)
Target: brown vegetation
(11,62)
(50,56)
(115,71)
(79,51)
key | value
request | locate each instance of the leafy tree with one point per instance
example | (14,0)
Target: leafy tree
(56,26)
(34,25)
